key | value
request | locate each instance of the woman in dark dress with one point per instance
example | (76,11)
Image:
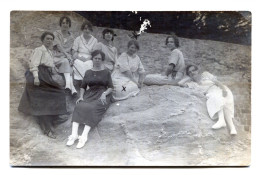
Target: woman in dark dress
(44,97)
(92,103)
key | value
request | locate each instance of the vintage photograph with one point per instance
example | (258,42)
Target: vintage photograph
(130,88)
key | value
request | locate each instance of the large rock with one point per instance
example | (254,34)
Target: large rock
(163,125)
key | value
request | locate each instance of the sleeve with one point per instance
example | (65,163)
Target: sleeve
(123,63)
(209,76)
(56,39)
(140,68)
(173,59)
(75,46)
(110,83)
(35,61)
(84,83)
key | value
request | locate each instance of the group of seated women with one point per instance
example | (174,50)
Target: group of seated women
(63,62)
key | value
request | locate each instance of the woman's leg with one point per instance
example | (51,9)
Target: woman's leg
(74,134)
(67,80)
(229,119)
(84,137)
(73,89)
(221,121)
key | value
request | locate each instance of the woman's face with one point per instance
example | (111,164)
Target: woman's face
(193,72)
(171,44)
(108,36)
(86,30)
(132,49)
(97,60)
(48,40)
(65,25)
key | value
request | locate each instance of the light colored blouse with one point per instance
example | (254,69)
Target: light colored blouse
(66,43)
(110,54)
(83,47)
(132,64)
(40,56)
(177,59)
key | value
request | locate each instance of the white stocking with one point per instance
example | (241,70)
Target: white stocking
(221,121)
(85,132)
(67,80)
(75,127)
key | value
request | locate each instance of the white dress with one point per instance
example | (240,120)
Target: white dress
(124,87)
(215,100)
(84,49)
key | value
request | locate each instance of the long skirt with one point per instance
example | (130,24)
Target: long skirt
(91,111)
(216,102)
(123,86)
(48,98)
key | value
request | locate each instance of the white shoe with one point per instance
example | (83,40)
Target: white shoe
(219,125)
(233,132)
(71,140)
(82,142)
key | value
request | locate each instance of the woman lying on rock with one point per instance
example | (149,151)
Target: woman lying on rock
(176,65)
(220,102)
(129,73)
(44,97)
(107,47)
(92,103)
(62,47)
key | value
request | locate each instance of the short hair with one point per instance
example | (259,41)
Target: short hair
(189,66)
(45,34)
(108,31)
(90,27)
(67,19)
(96,52)
(175,38)
(133,42)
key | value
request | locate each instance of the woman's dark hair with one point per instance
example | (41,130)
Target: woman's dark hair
(108,31)
(133,42)
(188,68)
(90,27)
(45,34)
(175,38)
(67,20)
(96,52)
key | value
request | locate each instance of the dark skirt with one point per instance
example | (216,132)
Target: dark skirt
(48,98)
(91,111)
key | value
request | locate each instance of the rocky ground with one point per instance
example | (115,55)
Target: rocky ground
(163,125)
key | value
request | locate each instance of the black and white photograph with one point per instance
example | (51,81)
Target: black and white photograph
(130,88)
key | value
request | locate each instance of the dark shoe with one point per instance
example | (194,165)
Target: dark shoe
(50,134)
(67,90)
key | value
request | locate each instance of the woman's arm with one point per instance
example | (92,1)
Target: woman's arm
(221,86)
(81,94)
(141,80)
(129,74)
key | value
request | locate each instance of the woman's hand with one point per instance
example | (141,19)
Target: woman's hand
(79,100)
(103,98)
(140,85)
(36,81)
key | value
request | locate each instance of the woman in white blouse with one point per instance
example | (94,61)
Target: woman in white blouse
(82,48)
(129,73)
(44,97)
